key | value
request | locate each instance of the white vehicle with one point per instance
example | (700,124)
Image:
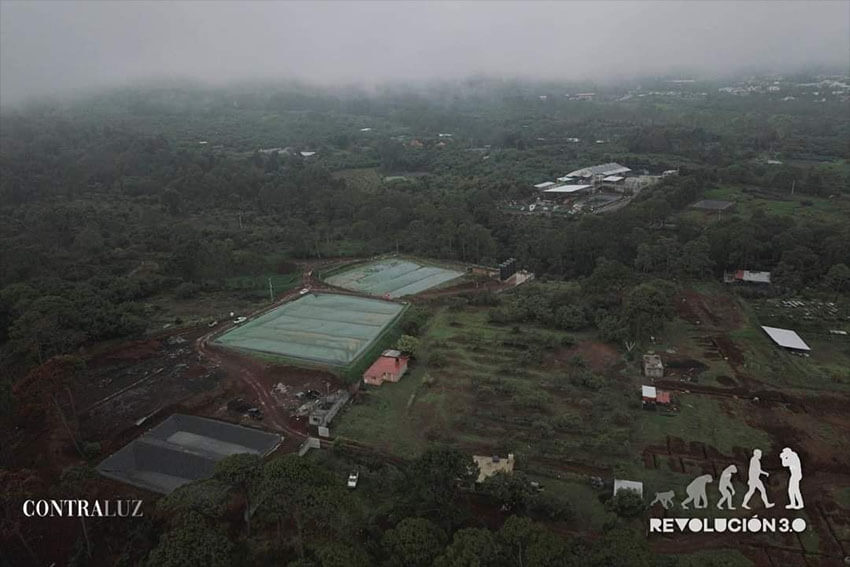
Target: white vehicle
(239,320)
(304,290)
(353,477)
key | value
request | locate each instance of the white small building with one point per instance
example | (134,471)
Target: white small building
(787,339)
(632,485)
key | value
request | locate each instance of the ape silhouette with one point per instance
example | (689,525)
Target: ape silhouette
(664,498)
(725,487)
(696,492)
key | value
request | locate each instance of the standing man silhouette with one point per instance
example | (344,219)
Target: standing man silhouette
(754,481)
(791,460)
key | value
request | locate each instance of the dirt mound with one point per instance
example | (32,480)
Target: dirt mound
(714,311)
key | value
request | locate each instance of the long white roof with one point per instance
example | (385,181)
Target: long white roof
(786,338)
(604,169)
(567,188)
(756,277)
(544,185)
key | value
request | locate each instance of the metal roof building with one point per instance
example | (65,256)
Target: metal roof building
(544,185)
(786,338)
(182,449)
(613,178)
(568,188)
(605,169)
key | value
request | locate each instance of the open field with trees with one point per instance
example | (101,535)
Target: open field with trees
(133,223)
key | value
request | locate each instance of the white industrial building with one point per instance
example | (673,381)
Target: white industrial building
(604,170)
(568,189)
(544,185)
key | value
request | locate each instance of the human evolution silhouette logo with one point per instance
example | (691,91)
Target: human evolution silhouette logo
(697,497)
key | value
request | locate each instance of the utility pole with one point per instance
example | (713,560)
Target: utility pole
(271,291)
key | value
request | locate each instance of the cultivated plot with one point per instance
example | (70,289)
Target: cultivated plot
(326,328)
(396,278)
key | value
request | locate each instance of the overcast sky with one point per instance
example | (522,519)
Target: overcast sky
(54,47)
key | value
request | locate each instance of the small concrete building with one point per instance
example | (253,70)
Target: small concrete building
(389,367)
(747,276)
(652,366)
(490,465)
(651,396)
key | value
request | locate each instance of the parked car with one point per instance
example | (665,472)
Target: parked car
(304,291)
(353,477)
(239,320)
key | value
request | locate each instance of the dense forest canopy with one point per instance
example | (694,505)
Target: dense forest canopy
(111,199)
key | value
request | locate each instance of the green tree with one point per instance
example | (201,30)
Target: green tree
(338,554)
(620,547)
(838,278)
(470,547)
(414,542)
(242,471)
(208,498)
(193,542)
(627,504)
(408,345)
(645,309)
(434,481)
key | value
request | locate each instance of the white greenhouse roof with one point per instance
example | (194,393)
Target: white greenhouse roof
(786,338)
(613,178)
(567,188)
(544,185)
(604,169)
(648,392)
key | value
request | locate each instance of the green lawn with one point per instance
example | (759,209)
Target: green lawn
(704,419)
(798,205)
(384,419)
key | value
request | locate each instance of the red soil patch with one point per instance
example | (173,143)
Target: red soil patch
(599,357)
(713,311)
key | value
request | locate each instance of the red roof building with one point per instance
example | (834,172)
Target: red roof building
(389,367)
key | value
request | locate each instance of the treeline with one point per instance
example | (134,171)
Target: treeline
(297,512)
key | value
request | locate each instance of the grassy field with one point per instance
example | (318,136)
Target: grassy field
(482,388)
(568,405)
(780,203)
